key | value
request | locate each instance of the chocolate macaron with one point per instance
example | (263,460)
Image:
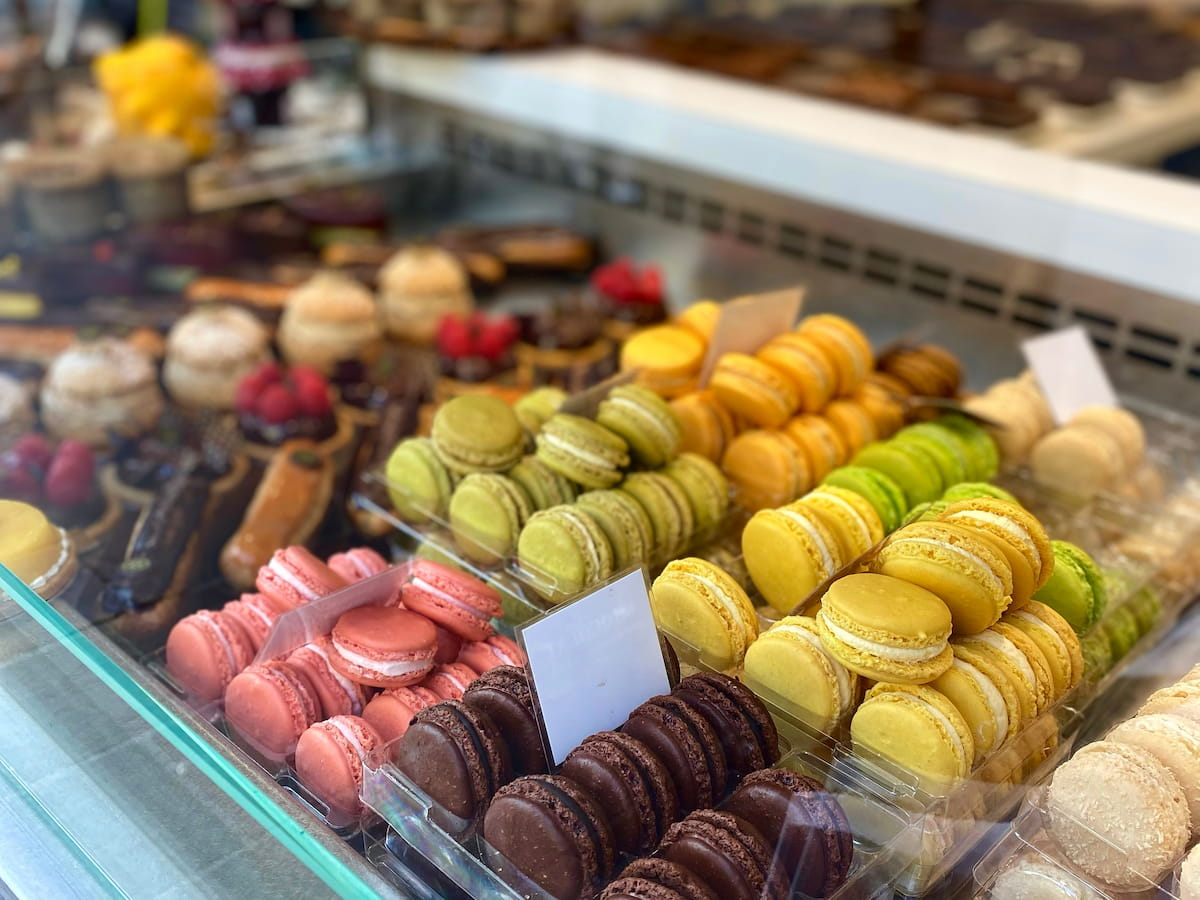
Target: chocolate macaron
(552,831)
(630,784)
(742,723)
(655,878)
(728,853)
(503,695)
(804,825)
(455,754)
(689,747)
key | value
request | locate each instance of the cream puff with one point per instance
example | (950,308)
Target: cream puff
(209,351)
(417,287)
(328,319)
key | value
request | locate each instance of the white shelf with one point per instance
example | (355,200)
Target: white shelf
(1125,226)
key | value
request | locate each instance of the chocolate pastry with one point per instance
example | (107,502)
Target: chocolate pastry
(522,248)
(503,695)
(746,730)
(655,878)
(553,833)
(728,853)
(682,738)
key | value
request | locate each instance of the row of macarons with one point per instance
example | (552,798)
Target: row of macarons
(648,786)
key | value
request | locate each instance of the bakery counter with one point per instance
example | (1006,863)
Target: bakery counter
(107,789)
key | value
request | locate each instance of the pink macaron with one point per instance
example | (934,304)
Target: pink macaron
(338,695)
(450,681)
(330,757)
(205,651)
(357,564)
(270,705)
(383,646)
(453,599)
(449,645)
(483,656)
(392,711)
(294,577)
(256,613)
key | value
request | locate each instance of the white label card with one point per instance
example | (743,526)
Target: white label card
(592,661)
(746,323)
(1069,372)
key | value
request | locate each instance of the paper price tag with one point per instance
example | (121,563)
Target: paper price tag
(1069,372)
(593,660)
(746,323)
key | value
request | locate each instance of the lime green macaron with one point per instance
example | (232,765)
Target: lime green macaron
(907,465)
(975,490)
(1076,588)
(537,406)
(706,488)
(947,449)
(477,434)
(582,450)
(878,489)
(418,483)
(983,457)
(487,513)
(668,508)
(644,420)
(563,551)
(625,524)
(544,486)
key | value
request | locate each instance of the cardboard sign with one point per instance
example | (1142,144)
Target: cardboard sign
(746,323)
(586,403)
(1069,372)
(592,661)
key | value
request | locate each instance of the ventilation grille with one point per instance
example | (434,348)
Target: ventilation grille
(926,279)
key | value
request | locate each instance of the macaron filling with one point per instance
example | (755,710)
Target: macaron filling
(883,651)
(845,693)
(731,608)
(351,738)
(345,683)
(261,614)
(64,554)
(993,697)
(574,449)
(1010,526)
(428,588)
(279,568)
(576,518)
(385,668)
(827,566)
(1060,646)
(1012,653)
(860,524)
(666,436)
(976,561)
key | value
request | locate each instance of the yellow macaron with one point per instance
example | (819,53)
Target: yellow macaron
(703,607)
(754,390)
(1016,533)
(1055,638)
(668,358)
(788,552)
(845,344)
(765,469)
(807,365)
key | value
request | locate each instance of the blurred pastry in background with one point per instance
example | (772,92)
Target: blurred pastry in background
(209,351)
(417,287)
(328,319)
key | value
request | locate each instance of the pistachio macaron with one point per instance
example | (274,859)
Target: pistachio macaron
(563,550)
(668,508)
(706,487)
(487,513)
(1075,587)
(418,482)
(699,604)
(625,524)
(477,433)
(582,450)
(877,489)
(644,421)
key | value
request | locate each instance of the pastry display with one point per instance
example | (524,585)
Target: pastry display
(473,353)
(328,319)
(417,287)
(631,298)
(40,554)
(209,352)
(564,345)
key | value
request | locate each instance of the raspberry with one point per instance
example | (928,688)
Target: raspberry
(312,397)
(307,375)
(16,482)
(245,400)
(34,450)
(276,405)
(454,338)
(69,478)
(649,284)
(493,341)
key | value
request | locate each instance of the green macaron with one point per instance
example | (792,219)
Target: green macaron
(418,483)
(1097,654)
(706,488)
(877,488)
(982,454)
(669,510)
(948,449)
(1121,626)
(644,420)
(582,450)
(1146,606)
(477,433)
(544,486)
(537,406)
(563,551)
(1076,589)
(975,490)
(487,513)
(908,465)
(624,523)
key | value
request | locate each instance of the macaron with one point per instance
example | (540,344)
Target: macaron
(855,425)
(1181,699)
(975,490)
(582,450)
(487,513)
(1016,533)
(700,318)
(820,443)
(877,489)
(789,552)
(455,600)
(732,853)
(1078,460)
(330,757)
(1006,657)
(885,629)
(293,577)
(765,469)
(971,578)
(477,433)
(882,406)
(454,737)
(357,564)
(553,832)
(941,447)
(851,519)
(491,652)
(270,704)
(256,614)
(667,358)
(918,730)
(337,694)
(706,427)
(688,746)
(644,421)
(977,692)
(706,488)
(1123,631)
(1118,814)
(391,711)
(504,696)
(808,366)
(668,508)
(1043,673)
(1123,426)
(789,665)
(652,876)
(701,605)
(754,390)
(418,482)
(564,550)
(1032,874)
(908,465)
(1075,588)
(630,784)
(624,522)
(205,651)
(1055,638)
(740,720)
(449,681)
(982,454)
(544,486)
(535,407)
(383,646)
(844,344)
(449,644)
(1175,742)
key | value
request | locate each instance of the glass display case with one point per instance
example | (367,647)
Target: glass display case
(515,219)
